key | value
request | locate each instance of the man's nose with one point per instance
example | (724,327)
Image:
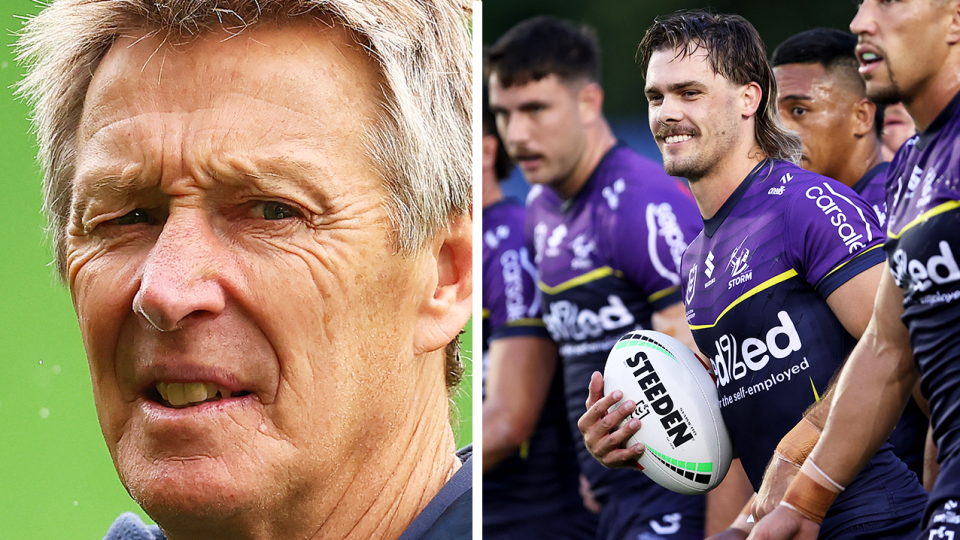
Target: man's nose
(181,280)
(669,111)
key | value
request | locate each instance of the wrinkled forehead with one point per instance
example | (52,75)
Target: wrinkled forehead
(299,64)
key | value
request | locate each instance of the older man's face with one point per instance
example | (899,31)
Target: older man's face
(248,327)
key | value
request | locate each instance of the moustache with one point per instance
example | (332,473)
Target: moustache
(670,131)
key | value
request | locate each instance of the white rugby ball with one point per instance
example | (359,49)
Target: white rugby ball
(688,447)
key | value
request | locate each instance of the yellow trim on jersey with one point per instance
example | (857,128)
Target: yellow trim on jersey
(593,275)
(660,294)
(486,313)
(815,395)
(937,210)
(765,285)
(878,246)
(530,321)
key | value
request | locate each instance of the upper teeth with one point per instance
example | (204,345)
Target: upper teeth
(677,138)
(869,56)
(180,394)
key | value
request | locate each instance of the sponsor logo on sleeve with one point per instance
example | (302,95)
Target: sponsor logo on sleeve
(662,222)
(514,264)
(854,234)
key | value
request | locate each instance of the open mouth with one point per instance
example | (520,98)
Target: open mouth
(868,59)
(183,395)
(677,138)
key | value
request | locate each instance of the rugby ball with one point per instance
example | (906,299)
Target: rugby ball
(688,447)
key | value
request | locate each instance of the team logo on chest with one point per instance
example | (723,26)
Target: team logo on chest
(582,248)
(691,284)
(739,267)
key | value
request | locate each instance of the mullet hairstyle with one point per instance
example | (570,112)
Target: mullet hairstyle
(833,49)
(421,142)
(736,52)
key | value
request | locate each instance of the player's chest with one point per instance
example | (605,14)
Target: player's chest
(745,254)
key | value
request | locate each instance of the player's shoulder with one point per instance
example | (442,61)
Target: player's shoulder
(625,181)
(503,225)
(795,185)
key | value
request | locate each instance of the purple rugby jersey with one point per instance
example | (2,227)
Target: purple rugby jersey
(755,287)
(608,259)
(923,240)
(540,481)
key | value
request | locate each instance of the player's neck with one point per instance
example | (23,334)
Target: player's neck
(934,96)
(866,155)
(714,188)
(600,139)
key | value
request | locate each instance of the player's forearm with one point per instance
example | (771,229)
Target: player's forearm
(868,401)
(725,502)
(503,433)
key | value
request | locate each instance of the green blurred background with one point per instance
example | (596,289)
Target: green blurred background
(56,477)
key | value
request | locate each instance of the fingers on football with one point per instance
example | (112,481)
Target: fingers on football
(595,389)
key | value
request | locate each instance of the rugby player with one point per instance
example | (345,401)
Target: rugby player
(823,98)
(778,285)
(530,471)
(909,52)
(606,228)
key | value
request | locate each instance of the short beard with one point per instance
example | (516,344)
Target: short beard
(887,95)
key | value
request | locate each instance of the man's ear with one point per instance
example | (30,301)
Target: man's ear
(864,113)
(953,30)
(444,314)
(590,101)
(750,98)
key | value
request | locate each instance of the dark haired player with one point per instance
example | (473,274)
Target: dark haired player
(909,52)
(607,227)
(823,98)
(778,286)
(530,471)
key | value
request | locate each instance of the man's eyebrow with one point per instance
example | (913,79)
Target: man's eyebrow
(267,174)
(795,97)
(675,87)
(533,104)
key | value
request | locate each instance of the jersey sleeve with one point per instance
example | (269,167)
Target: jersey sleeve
(511,300)
(653,224)
(831,234)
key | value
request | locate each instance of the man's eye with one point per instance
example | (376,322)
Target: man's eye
(133,217)
(272,210)
(797,111)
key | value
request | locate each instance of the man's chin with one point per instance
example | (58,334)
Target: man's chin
(197,488)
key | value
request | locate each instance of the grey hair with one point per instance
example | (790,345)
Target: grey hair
(421,141)
(422,47)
